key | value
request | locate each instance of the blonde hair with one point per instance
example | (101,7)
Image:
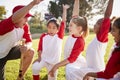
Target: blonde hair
(81,21)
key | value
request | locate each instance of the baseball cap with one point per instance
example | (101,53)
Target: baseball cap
(19,7)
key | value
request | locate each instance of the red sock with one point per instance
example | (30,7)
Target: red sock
(36,77)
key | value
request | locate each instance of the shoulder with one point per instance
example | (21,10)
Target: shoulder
(43,34)
(106,20)
(7,21)
(62,22)
(80,40)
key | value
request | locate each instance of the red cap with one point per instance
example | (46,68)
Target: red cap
(19,7)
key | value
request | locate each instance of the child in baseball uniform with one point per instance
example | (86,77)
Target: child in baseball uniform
(113,65)
(75,43)
(96,49)
(50,46)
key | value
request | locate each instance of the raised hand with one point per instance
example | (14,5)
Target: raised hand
(66,6)
(35,2)
(86,77)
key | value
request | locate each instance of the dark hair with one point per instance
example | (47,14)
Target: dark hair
(81,21)
(117,48)
(111,21)
(53,21)
(117,24)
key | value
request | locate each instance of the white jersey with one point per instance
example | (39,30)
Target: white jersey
(95,55)
(52,47)
(69,46)
(70,43)
(9,40)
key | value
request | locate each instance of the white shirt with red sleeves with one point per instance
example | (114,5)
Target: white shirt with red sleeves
(51,46)
(9,40)
(96,49)
(10,35)
(73,49)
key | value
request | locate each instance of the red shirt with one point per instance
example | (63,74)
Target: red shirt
(7,25)
(112,67)
(102,36)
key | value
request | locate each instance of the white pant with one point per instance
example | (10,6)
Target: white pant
(37,66)
(72,67)
(78,73)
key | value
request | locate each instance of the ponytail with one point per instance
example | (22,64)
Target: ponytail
(85,28)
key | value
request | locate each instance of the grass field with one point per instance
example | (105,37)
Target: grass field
(13,66)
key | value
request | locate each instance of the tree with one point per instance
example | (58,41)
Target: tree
(35,21)
(55,8)
(2,12)
(87,7)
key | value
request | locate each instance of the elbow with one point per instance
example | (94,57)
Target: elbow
(71,60)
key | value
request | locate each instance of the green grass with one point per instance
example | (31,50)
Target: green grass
(13,66)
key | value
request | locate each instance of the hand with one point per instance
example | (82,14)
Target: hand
(23,48)
(66,6)
(36,1)
(86,77)
(37,60)
(52,71)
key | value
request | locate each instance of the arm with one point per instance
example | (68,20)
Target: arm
(111,69)
(65,7)
(75,8)
(40,42)
(90,74)
(77,49)
(27,36)
(62,63)
(18,15)
(40,48)
(39,57)
(108,11)
(105,25)
(112,66)
(62,25)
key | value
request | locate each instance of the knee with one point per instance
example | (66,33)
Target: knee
(35,67)
(68,70)
(31,53)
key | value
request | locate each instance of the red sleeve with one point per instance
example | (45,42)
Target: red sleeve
(61,30)
(77,49)
(6,26)
(104,30)
(112,67)
(40,42)
(27,34)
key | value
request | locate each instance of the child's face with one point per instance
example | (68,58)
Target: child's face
(73,29)
(52,29)
(115,33)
